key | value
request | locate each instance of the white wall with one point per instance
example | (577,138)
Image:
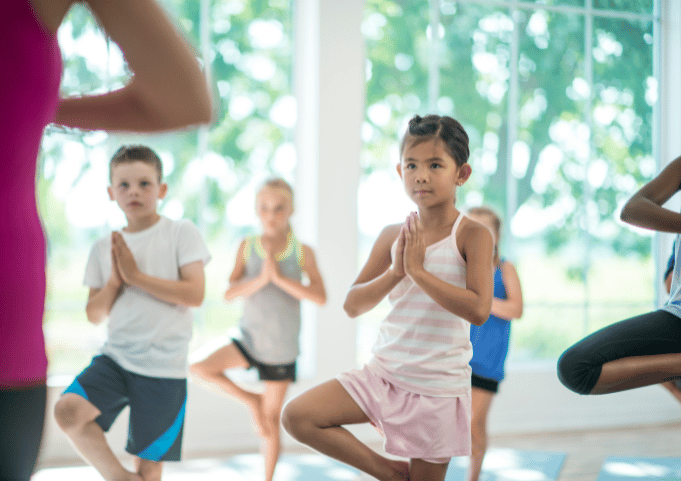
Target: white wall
(329,83)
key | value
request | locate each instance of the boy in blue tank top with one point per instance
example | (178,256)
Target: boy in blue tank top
(490,341)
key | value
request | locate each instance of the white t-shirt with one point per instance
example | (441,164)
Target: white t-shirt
(146,335)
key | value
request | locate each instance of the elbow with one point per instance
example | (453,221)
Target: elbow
(350,310)
(628,211)
(196,301)
(203,113)
(322,300)
(480,316)
(203,107)
(94,316)
(478,320)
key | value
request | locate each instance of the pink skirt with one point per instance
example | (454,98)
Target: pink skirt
(415,426)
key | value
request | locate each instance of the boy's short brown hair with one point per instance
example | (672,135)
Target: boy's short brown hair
(136,153)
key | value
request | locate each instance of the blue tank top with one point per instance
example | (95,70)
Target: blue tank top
(490,341)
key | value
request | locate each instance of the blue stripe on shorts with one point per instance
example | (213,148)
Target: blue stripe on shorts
(76,388)
(156,450)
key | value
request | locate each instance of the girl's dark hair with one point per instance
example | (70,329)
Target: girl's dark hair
(447,129)
(136,153)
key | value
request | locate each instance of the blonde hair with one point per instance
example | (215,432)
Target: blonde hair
(277,183)
(496,221)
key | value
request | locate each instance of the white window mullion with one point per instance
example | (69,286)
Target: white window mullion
(512,132)
(588,119)
(434,54)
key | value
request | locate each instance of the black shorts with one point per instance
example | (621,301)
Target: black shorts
(157,406)
(484,383)
(268,372)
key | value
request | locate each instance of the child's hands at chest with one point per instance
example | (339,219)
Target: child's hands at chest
(123,262)
(414,253)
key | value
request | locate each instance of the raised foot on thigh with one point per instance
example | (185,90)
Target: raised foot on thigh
(400,470)
(129,476)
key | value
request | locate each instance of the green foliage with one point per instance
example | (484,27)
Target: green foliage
(602,150)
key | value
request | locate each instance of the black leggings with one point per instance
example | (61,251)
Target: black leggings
(650,334)
(22,415)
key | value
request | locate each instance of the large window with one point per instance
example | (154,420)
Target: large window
(560,102)
(212,172)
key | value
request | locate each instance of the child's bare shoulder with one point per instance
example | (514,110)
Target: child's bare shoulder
(472,231)
(389,234)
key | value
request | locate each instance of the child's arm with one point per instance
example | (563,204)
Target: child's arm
(100,301)
(314,291)
(377,277)
(475,301)
(244,287)
(168,89)
(189,290)
(645,209)
(511,307)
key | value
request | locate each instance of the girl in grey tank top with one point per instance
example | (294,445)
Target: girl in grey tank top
(271,320)
(268,273)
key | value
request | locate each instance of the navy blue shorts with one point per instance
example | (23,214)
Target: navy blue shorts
(268,372)
(157,406)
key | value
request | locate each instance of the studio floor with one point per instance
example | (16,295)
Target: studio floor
(585,453)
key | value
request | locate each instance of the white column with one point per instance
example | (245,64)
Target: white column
(330,90)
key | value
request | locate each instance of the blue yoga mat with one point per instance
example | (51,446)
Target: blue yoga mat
(246,467)
(511,465)
(640,468)
(500,465)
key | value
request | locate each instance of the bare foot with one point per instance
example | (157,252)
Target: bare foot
(673,388)
(254,403)
(401,469)
(131,477)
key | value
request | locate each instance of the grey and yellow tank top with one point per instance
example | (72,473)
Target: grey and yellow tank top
(270,325)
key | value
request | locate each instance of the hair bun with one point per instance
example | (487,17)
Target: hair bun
(421,126)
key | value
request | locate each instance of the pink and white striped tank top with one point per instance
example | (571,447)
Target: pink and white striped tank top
(422,347)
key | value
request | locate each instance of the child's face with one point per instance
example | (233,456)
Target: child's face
(136,189)
(429,174)
(274,209)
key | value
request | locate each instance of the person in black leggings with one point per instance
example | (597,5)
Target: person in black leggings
(645,349)
(21,428)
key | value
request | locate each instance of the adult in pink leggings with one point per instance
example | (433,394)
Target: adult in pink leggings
(168,91)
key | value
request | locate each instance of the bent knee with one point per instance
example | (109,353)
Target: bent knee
(577,372)
(292,418)
(71,410)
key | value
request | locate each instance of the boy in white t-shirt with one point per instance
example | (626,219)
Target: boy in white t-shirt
(144,279)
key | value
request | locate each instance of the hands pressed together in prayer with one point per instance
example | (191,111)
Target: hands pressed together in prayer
(411,247)
(124,269)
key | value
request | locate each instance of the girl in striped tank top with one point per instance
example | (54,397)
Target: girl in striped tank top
(436,270)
